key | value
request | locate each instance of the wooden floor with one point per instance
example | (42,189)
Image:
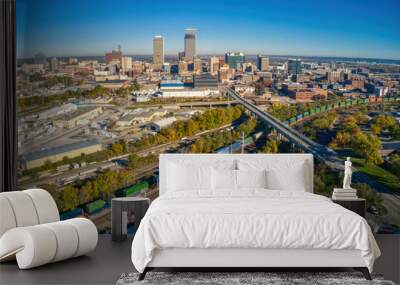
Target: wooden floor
(110,259)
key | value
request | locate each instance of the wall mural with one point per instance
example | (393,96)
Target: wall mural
(92,119)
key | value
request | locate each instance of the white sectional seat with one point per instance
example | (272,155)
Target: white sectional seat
(31,230)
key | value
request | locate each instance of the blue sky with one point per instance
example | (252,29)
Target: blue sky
(354,28)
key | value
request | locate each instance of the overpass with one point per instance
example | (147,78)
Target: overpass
(329,157)
(295,137)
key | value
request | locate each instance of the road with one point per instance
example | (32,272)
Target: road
(391,145)
(326,155)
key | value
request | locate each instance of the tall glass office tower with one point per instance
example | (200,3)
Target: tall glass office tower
(190,44)
(235,60)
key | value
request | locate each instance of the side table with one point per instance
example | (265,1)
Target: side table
(357,205)
(125,210)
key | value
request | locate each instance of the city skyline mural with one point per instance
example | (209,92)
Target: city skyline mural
(102,92)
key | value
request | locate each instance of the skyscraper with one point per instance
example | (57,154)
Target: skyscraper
(294,66)
(126,63)
(263,63)
(190,44)
(235,60)
(158,50)
(214,64)
(197,65)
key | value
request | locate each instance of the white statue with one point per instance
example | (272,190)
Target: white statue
(347,174)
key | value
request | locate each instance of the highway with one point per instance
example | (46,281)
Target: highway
(324,154)
(292,135)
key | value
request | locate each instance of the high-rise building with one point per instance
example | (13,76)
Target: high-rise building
(126,63)
(197,65)
(294,66)
(158,50)
(263,63)
(214,65)
(115,55)
(235,60)
(190,44)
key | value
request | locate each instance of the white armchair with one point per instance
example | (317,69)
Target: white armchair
(31,230)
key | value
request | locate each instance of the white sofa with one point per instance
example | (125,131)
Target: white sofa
(31,230)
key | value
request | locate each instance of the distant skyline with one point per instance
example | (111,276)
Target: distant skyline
(358,28)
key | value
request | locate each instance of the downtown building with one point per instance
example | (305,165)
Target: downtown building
(294,66)
(158,51)
(213,65)
(206,81)
(263,63)
(235,60)
(115,55)
(190,44)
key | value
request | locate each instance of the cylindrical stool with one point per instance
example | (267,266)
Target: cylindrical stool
(120,208)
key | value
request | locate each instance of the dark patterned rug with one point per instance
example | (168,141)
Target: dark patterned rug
(243,278)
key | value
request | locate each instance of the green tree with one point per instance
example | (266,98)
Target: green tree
(341,140)
(395,164)
(86,193)
(65,160)
(272,146)
(385,121)
(367,146)
(376,129)
(117,149)
(321,123)
(70,198)
(48,165)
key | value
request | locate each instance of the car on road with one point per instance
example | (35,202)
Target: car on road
(373,210)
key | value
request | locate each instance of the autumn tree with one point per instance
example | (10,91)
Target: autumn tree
(70,198)
(376,129)
(367,146)
(341,140)
(272,146)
